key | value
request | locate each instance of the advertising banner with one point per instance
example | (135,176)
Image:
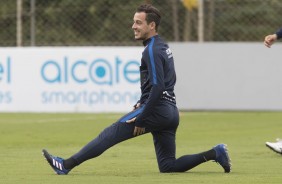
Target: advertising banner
(228,76)
(69,79)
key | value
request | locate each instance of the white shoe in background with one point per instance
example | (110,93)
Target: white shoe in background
(275,146)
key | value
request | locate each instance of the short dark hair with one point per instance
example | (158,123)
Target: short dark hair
(152,14)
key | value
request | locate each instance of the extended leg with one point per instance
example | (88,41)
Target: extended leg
(117,132)
(110,136)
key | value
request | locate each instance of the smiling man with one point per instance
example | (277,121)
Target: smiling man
(156,111)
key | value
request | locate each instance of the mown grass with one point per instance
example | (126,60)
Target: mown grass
(23,135)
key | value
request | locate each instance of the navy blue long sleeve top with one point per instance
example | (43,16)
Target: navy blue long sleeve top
(157,76)
(279,33)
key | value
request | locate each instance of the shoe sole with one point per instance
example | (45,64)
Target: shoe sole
(273,149)
(228,158)
(225,152)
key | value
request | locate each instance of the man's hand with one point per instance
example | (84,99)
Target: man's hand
(269,40)
(137,130)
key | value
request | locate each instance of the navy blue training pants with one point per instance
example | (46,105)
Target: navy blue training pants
(162,124)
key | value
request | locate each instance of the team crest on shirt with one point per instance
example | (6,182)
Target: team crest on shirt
(169,53)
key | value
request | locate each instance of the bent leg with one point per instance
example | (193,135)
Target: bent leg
(164,142)
(165,147)
(188,162)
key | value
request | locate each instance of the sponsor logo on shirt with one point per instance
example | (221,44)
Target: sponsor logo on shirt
(169,53)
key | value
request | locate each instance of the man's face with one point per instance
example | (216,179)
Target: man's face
(140,27)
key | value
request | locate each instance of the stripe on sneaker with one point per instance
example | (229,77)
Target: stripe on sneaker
(57,164)
(60,166)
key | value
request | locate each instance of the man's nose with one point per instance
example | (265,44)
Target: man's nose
(133,26)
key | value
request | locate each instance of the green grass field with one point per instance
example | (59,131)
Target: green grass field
(24,135)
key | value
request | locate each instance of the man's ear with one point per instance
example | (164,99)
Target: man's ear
(153,25)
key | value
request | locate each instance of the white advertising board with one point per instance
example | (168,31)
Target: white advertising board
(210,76)
(228,76)
(69,79)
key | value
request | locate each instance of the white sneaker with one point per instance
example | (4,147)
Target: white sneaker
(275,146)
